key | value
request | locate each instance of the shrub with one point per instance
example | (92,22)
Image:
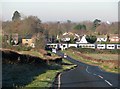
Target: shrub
(25,48)
(91,39)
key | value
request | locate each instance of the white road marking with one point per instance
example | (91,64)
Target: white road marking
(94,74)
(100,69)
(87,69)
(59,82)
(108,82)
(100,76)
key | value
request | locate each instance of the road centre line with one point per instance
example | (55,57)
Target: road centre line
(108,82)
(100,76)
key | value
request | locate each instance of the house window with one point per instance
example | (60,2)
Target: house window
(26,44)
(26,39)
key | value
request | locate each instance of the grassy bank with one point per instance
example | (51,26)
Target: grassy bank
(34,53)
(110,67)
(46,79)
(32,75)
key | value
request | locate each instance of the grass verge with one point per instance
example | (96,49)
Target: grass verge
(47,78)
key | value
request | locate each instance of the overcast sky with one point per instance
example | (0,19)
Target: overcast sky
(74,10)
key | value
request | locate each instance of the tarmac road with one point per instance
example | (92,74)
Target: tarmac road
(85,75)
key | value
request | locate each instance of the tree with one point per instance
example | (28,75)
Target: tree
(80,27)
(103,29)
(68,25)
(91,39)
(16,16)
(96,23)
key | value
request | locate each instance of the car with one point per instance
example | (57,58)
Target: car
(65,55)
(54,50)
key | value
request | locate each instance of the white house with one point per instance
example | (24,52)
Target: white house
(65,39)
(83,40)
(101,39)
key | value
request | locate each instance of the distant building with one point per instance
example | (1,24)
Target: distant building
(15,38)
(83,40)
(102,38)
(114,38)
(29,40)
(68,35)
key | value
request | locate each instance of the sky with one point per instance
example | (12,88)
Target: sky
(62,10)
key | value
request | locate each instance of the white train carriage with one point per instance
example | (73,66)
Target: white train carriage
(63,46)
(52,45)
(118,46)
(110,46)
(100,46)
(87,46)
(72,45)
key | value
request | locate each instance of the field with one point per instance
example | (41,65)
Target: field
(108,62)
(103,56)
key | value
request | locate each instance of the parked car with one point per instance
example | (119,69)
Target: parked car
(65,55)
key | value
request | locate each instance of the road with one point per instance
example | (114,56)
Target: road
(85,75)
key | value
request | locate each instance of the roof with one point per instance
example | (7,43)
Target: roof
(101,36)
(29,36)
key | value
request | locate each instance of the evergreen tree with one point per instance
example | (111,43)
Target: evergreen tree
(16,16)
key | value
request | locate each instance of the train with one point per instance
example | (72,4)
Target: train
(64,46)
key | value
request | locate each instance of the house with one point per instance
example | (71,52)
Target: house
(82,40)
(67,36)
(65,39)
(11,38)
(15,38)
(29,40)
(102,38)
(114,38)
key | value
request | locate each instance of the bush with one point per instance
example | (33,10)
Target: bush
(91,39)
(25,48)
